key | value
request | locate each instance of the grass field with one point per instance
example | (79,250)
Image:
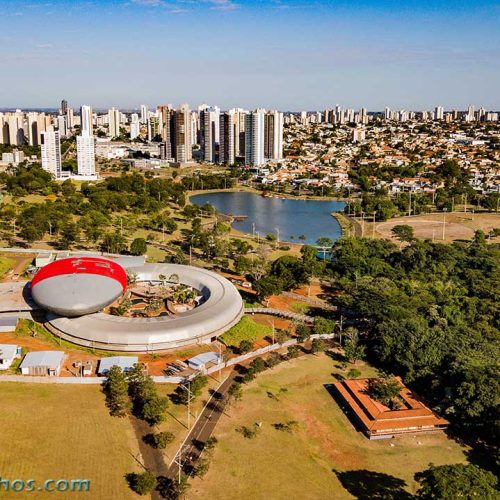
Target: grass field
(325,457)
(6,265)
(457,225)
(246,329)
(64,432)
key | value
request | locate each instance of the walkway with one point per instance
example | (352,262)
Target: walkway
(303,318)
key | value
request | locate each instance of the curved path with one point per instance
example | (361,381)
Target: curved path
(281,313)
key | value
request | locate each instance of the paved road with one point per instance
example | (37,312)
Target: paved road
(204,427)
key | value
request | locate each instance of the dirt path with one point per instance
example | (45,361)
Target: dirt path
(151,457)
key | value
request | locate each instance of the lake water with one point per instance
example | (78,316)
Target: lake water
(265,215)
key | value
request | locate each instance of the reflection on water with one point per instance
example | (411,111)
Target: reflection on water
(292,218)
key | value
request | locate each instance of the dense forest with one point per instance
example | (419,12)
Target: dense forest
(430,313)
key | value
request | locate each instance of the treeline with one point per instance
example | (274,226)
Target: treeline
(430,313)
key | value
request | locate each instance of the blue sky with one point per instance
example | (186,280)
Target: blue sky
(286,54)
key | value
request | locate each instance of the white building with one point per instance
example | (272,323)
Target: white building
(85,151)
(114,118)
(209,124)
(61,126)
(86,121)
(135,126)
(51,153)
(227,137)
(144,114)
(254,137)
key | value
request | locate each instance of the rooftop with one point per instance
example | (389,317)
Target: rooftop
(377,419)
(43,358)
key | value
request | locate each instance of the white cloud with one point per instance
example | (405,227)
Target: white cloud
(223,4)
(148,3)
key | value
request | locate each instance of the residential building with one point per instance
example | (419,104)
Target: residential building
(51,153)
(86,121)
(254,137)
(114,118)
(183,148)
(135,126)
(273,135)
(85,150)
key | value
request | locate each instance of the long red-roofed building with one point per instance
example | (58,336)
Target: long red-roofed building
(378,421)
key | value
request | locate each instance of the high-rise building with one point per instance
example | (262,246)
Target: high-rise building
(228,137)
(61,126)
(135,126)
(144,114)
(85,152)
(114,122)
(183,148)
(63,110)
(86,121)
(166,114)
(438,113)
(254,137)
(70,120)
(51,153)
(387,113)
(209,133)
(273,135)
(16,128)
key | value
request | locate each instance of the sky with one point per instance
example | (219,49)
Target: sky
(278,54)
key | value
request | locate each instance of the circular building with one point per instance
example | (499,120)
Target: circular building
(78,286)
(220,307)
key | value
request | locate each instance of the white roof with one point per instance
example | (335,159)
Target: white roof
(124,362)
(204,358)
(43,358)
(8,351)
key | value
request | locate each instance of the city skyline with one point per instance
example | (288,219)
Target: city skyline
(289,55)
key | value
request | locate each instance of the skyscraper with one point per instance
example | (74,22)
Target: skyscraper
(61,126)
(209,133)
(51,153)
(183,148)
(273,135)
(254,137)
(227,149)
(86,121)
(63,110)
(114,122)
(135,126)
(85,155)
(144,114)
(439,113)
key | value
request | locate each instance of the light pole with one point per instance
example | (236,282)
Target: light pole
(277,234)
(271,322)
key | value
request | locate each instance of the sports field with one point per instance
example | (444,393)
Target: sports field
(456,225)
(64,432)
(323,457)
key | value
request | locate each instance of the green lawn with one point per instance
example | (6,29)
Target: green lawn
(324,453)
(64,432)
(246,329)
(6,265)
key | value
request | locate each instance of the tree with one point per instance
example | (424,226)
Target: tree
(318,345)
(113,243)
(291,271)
(323,326)
(235,392)
(384,390)
(449,482)
(267,286)
(282,336)
(403,232)
(352,349)
(142,483)
(139,246)
(302,332)
(116,390)
(160,440)
(293,351)
(245,346)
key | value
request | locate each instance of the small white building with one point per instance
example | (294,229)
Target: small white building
(8,353)
(8,324)
(42,363)
(126,363)
(201,361)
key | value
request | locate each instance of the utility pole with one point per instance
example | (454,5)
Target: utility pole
(373,229)
(444,221)
(409,204)
(188,389)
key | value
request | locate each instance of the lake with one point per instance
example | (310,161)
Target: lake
(291,217)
